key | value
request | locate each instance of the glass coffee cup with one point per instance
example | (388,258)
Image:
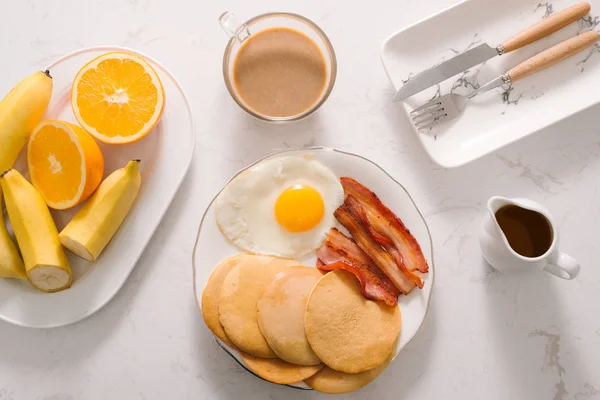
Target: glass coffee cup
(278,67)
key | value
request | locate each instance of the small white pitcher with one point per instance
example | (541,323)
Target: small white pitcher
(501,256)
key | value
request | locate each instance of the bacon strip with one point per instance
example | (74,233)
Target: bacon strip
(341,252)
(385,223)
(344,245)
(368,290)
(359,212)
(380,257)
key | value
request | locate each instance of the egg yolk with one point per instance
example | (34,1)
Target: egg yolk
(299,208)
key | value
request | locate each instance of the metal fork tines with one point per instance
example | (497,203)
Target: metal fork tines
(448,106)
(430,113)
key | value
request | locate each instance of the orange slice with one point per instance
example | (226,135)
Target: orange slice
(65,163)
(117,97)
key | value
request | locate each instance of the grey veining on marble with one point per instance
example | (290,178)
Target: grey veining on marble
(487,336)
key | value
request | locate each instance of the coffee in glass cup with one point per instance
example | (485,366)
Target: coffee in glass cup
(278,67)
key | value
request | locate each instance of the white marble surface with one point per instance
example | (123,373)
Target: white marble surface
(486,337)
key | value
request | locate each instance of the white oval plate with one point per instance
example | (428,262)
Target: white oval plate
(211,246)
(166,155)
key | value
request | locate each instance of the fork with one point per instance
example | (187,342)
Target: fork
(449,106)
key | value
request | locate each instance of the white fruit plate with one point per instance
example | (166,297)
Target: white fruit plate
(211,246)
(166,155)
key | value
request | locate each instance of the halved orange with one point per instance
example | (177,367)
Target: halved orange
(65,163)
(117,97)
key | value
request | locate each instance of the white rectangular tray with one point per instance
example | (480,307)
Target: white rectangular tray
(500,117)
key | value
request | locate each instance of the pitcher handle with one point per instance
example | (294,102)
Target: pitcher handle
(563,266)
(233,27)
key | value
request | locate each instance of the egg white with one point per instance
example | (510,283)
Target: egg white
(246,206)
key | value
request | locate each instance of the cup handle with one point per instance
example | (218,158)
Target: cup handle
(233,27)
(563,266)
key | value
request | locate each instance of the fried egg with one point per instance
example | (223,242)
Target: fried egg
(281,207)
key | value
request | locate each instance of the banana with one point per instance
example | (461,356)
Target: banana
(97,221)
(20,111)
(45,260)
(11,264)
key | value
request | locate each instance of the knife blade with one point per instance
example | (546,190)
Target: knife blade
(484,52)
(445,70)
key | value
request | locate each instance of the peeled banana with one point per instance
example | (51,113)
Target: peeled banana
(11,264)
(20,111)
(45,260)
(97,221)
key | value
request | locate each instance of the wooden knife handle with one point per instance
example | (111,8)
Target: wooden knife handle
(553,55)
(546,26)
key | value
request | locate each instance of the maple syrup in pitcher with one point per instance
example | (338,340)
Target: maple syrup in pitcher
(528,232)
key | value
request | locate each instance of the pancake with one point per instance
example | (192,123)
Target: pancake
(348,332)
(210,296)
(278,371)
(281,312)
(238,300)
(329,380)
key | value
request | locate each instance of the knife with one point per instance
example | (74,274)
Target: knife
(484,52)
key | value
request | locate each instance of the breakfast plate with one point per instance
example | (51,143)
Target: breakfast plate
(166,155)
(504,115)
(212,246)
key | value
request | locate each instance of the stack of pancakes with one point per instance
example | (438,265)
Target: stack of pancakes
(292,323)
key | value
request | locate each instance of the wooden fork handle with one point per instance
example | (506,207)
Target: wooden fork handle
(546,26)
(553,55)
